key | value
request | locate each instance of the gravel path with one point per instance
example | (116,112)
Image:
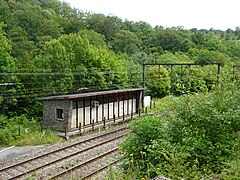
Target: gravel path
(7,154)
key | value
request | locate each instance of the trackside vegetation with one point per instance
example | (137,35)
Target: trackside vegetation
(20,131)
(48,48)
(193,136)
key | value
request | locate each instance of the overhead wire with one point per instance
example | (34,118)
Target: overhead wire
(45,84)
(68,73)
(58,91)
(43,91)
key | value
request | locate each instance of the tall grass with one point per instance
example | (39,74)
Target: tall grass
(20,131)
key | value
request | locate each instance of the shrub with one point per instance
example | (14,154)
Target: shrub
(193,138)
(144,130)
(186,80)
(158,81)
(19,130)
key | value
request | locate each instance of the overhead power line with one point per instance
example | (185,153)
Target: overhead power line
(68,73)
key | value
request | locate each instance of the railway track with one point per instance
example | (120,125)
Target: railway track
(91,167)
(81,159)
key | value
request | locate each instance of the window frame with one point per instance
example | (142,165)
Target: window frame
(57,113)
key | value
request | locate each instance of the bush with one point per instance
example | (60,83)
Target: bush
(20,131)
(158,81)
(186,80)
(143,131)
(193,138)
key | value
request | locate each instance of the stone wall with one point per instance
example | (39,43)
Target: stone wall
(50,117)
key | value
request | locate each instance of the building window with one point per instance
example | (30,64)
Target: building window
(59,113)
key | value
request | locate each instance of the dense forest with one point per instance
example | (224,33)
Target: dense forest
(48,48)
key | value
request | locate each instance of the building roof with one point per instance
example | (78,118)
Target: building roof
(77,96)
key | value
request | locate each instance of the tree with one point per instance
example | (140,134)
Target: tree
(20,43)
(71,20)
(103,25)
(5,13)
(94,38)
(34,20)
(55,59)
(198,38)
(177,57)
(213,43)
(233,47)
(82,65)
(126,42)
(109,28)
(237,32)
(158,81)
(6,61)
(8,82)
(171,41)
(204,56)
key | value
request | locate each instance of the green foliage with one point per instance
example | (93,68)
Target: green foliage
(185,80)
(233,47)
(83,64)
(55,59)
(134,71)
(231,169)
(214,43)
(198,38)
(21,131)
(55,49)
(196,136)
(126,42)
(94,38)
(158,81)
(101,24)
(8,83)
(144,131)
(208,126)
(176,57)
(171,41)
(35,20)
(204,56)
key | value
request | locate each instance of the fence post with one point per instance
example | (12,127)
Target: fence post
(114,118)
(104,122)
(93,125)
(66,132)
(146,110)
(80,128)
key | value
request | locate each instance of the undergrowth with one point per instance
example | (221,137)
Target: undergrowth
(20,131)
(193,136)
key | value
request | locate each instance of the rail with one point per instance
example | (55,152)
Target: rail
(94,143)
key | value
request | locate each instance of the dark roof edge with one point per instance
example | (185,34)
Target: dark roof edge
(76,96)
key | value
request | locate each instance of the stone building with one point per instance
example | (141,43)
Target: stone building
(71,112)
